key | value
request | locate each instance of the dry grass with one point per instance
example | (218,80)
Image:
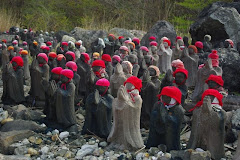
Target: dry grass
(7,20)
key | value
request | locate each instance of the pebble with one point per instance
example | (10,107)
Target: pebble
(54,137)
(6,120)
(25,141)
(3,115)
(38,141)
(103,144)
(199,150)
(228,153)
(44,150)
(32,152)
(32,139)
(61,152)
(63,135)
(68,154)
(55,131)
(60,158)
(168,155)
(49,133)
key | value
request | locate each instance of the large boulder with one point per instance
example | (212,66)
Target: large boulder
(159,30)
(59,35)
(127,33)
(88,36)
(220,20)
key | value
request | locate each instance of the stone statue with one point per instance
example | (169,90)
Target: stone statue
(180,77)
(52,60)
(149,60)
(12,77)
(192,50)
(50,107)
(216,82)
(207,45)
(70,56)
(167,80)
(136,41)
(166,54)
(65,110)
(155,57)
(98,106)
(5,57)
(127,68)
(152,46)
(208,124)
(177,64)
(115,60)
(202,76)
(108,63)
(117,79)
(123,53)
(61,61)
(125,132)
(185,40)
(134,61)
(150,90)
(110,45)
(215,62)
(166,120)
(34,49)
(24,55)
(11,52)
(191,65)
(83,69)
(178,50)
(202,55)
(39,72)
(76,79)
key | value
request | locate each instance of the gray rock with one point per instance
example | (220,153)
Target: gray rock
(88,36)
(127,33)
(45,150)
(159,30)
(218,20)
(21,150)
(61,152)
(67,38)
(63,135)
(3,115)
(103,144)
(60,34)
(8,138)
(22,125)
(8,157)
(86,150)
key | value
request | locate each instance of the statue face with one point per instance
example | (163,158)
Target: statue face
(14,64)
(180,78)
(114,62)
(145,52)
(96,68)
(55,77)
(190,51)
(165,44)
(148,60)
(64,79)
(77,46)
(41,60)
(129,86)
(212,85)
(65,48)
(82,57)
(101,89)
(152,72)
(131,59)
(62,62)
(154,49)
(50,58)
(69,57)
(110,38)
(166,99)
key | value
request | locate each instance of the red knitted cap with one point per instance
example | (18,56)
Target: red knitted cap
(153,43)
(199,44)
(144,48)
(135,81)
(123,48)
(112,35)
(49,43)
(86,56)
(18,60)
(194,48)
(121,37)
(71,53)
(47,48)
(60,57)
(103,82)
(44,56)
(57,70)
(184,71)
(152,38)
(178,37)
(136,40)
(106,57)
(64,43)
(72,65)
(168,41)
(67,73)
(98,63)
(215,78)
(171,91)
(213,55)
(52,54)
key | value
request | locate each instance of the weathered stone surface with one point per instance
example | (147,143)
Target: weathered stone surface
(159,30)
(88,36)
(231,102)
(127,33)
(22,125)
(67,38)
(7,138)
(218,20)
(8,157)
(59,35)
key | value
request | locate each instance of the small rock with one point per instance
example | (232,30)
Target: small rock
(61,152)
(49,134)
(103,144)
(153,151)
(80,117)
(55,131)
(85,150)
(60,158)
(25,141)
(6,120)
(91,142)
(32,139)
(64,135)
(68,154)
(44,150)
(168,155)
(21,150)
(54,137)
(38,141)
(3,115)
(228,153)
(199,150)
(32,152)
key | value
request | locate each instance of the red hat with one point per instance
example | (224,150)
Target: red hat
(168,41)
(57,70)
(127,41)
(49,43)
(60,57)
(18,60)
(4,40)
(71,53)
(98,63)
(64,43)
(24,43)
(212,92)
(184,71)
(47,48)
(135,81)
(42,47)
(144,48)
(103,82)
(152,38)
(116,57)
(178,64)
(86,56)
(67,73)
(52,54)
(24,52)
(123,48)
(230,42)
(78,43)
(136,40)
(214,56)
(44,56)
(72,65)
(153,43)
(112,35)
(121,37)
(106,57)
(215,78)
(15,42)
(171,91)
(193,47)
(199,44)
(178,37)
